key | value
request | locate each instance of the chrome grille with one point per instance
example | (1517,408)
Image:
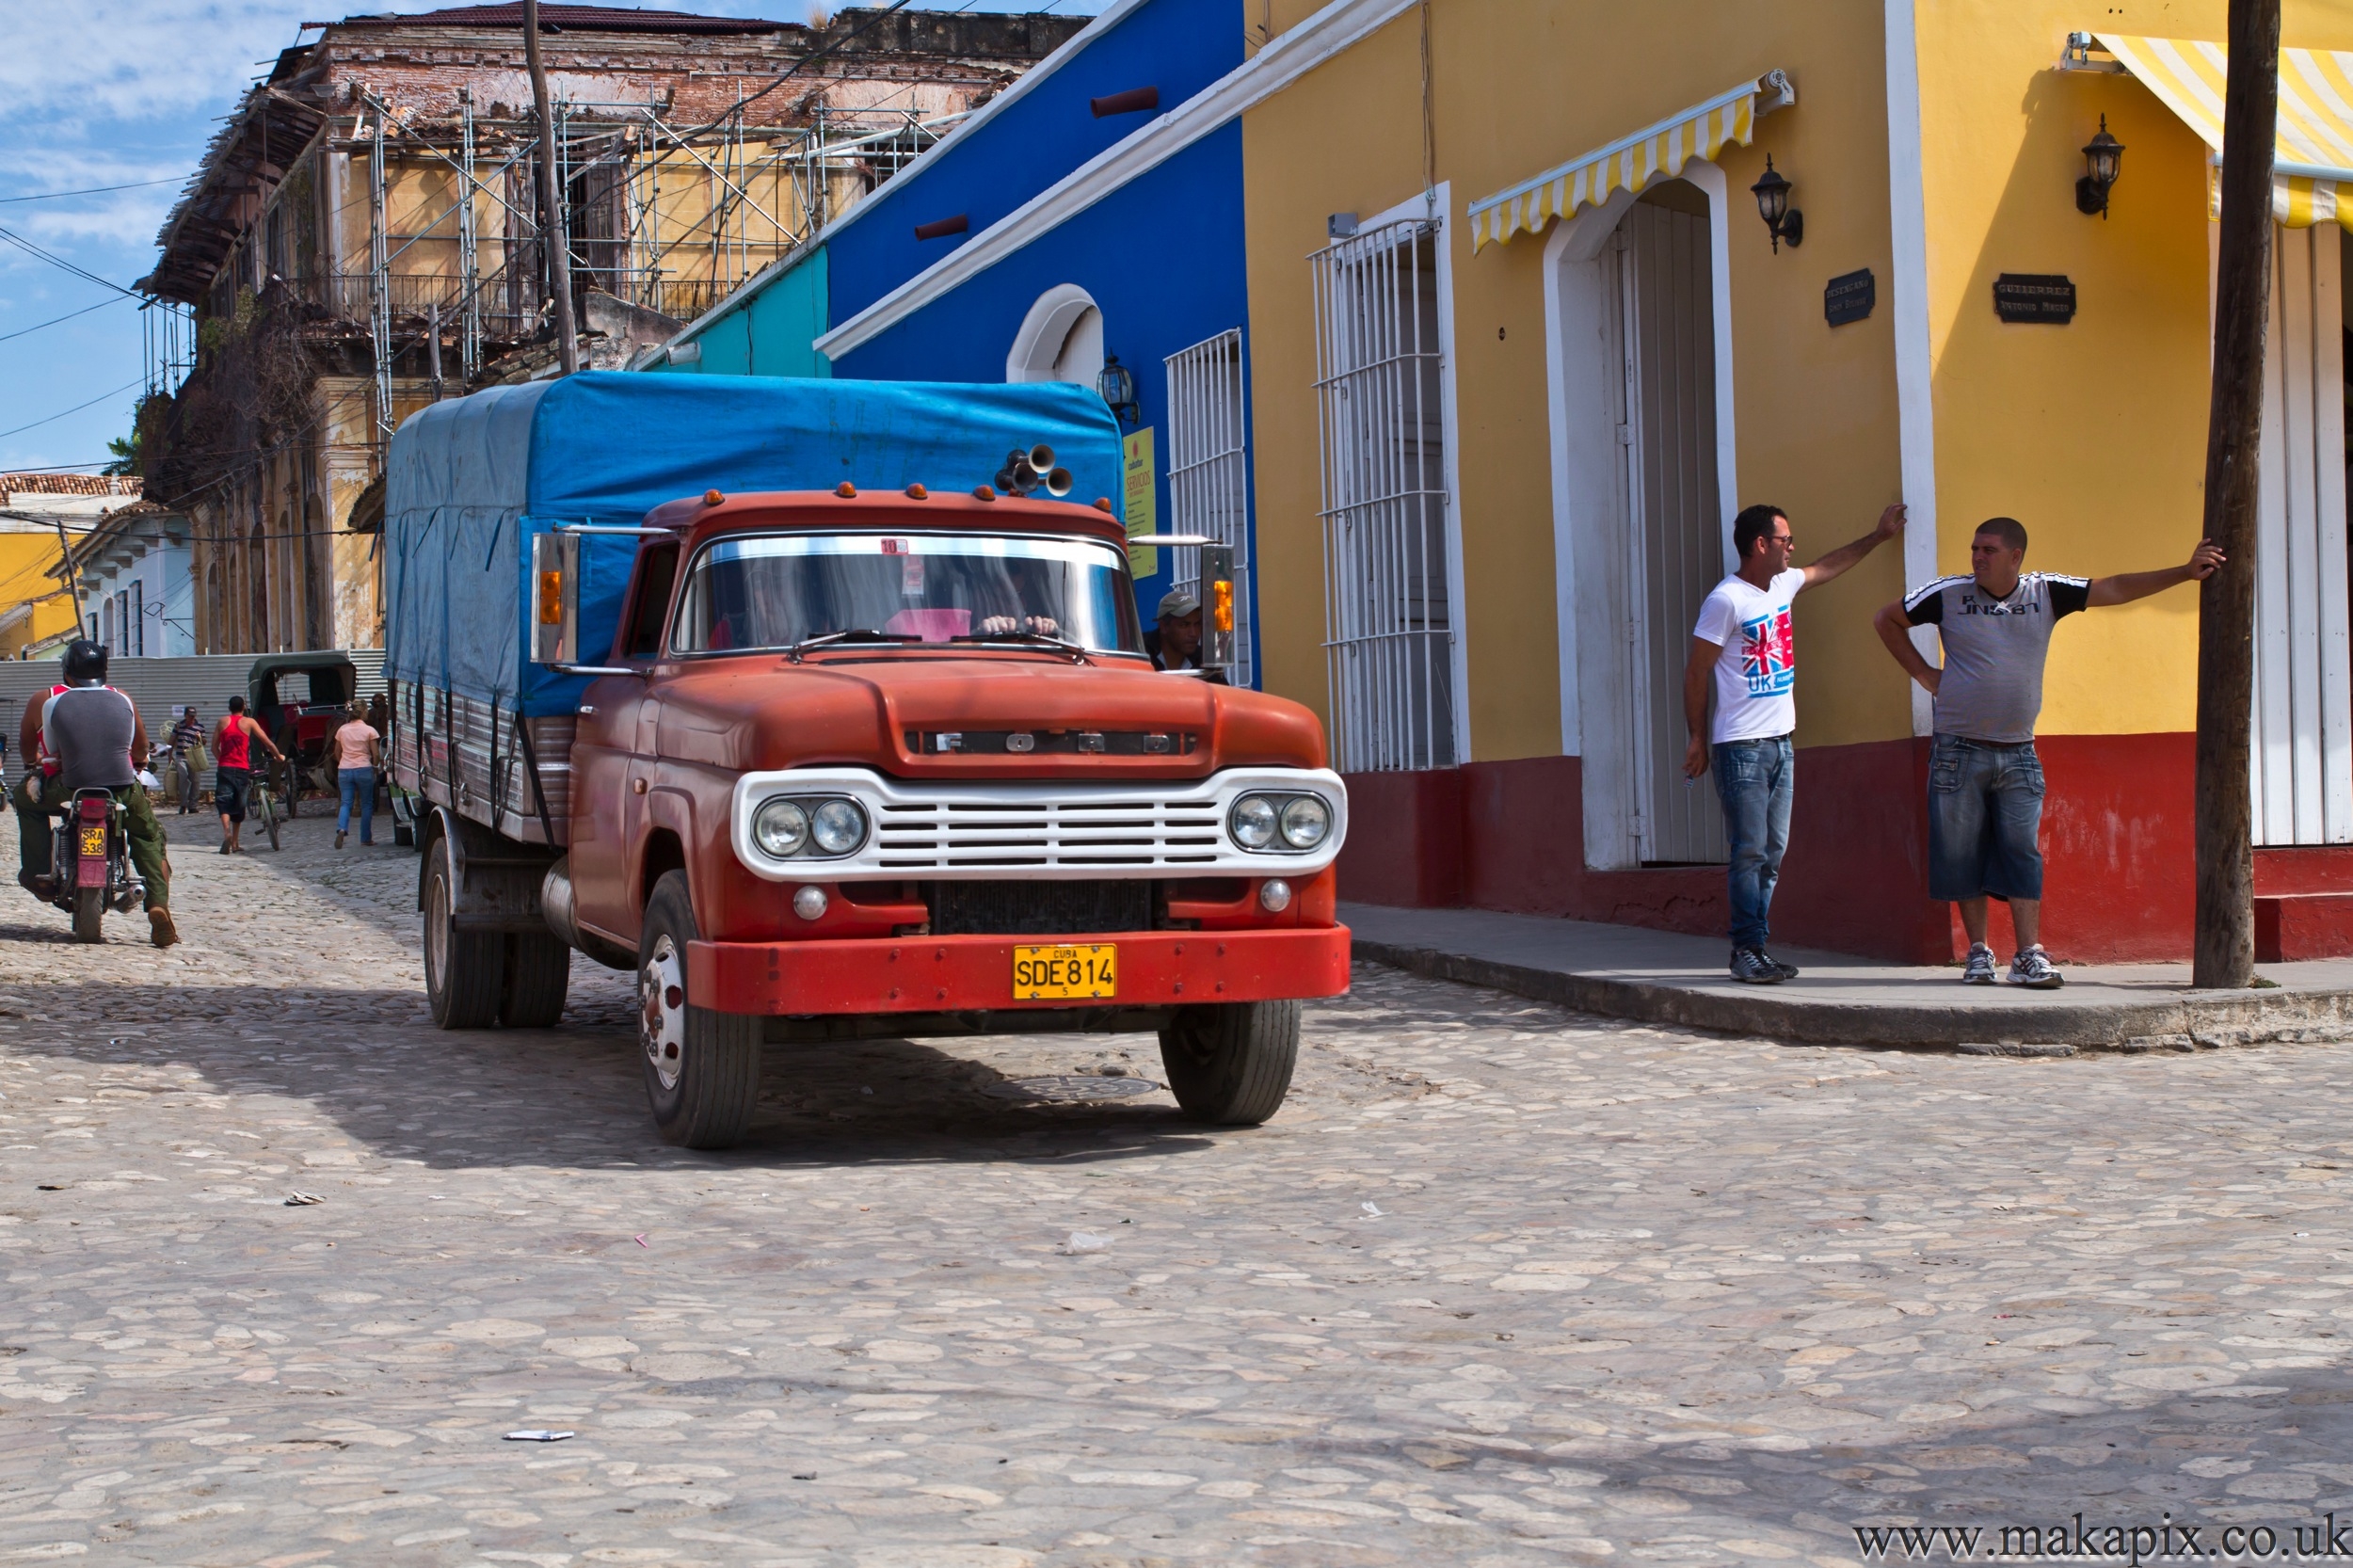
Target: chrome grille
(940,835)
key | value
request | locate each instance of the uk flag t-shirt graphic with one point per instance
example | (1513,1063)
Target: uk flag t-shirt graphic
(1756,677)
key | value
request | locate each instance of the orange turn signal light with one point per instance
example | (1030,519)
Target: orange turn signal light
(982,492)
(917,492)
(1222,600)
(713,498)
(550,598)
(845,489)
(1102,503)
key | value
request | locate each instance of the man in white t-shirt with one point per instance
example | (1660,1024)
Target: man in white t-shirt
(1756,709)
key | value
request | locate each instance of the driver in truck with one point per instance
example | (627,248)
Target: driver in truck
(85,736)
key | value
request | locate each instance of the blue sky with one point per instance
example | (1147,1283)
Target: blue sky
(126,92)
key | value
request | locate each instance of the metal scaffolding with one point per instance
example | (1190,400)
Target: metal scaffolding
(632,220)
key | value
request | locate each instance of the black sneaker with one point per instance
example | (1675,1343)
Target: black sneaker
(1751,966)
(1788,971)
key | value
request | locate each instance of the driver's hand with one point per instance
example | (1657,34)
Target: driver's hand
(1044,626)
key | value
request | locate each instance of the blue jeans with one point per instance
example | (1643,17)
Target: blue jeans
(1985,813)
(1756,781)
(357,784)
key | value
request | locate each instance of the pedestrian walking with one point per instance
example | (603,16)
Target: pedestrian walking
(1748,742)
(359,753)
(233,778)
(1985,780)
(187,757)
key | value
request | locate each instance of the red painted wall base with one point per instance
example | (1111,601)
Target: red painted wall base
(2119,883)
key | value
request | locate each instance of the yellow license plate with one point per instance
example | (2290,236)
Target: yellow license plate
(1054,973)
(93,840)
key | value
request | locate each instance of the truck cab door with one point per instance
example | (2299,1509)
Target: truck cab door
(613,755)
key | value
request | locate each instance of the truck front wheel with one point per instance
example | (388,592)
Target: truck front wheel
(464,971)
(1231,1063)
(702,1068)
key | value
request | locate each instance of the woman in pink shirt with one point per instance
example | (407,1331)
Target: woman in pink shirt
(357,751)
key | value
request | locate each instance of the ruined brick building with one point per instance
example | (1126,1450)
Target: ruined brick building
(364,235)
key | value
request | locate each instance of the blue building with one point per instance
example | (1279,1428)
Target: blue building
(1089,216)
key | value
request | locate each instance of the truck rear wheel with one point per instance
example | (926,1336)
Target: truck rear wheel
(464,970)
(1231,1063)
(702,1068)
(538,973)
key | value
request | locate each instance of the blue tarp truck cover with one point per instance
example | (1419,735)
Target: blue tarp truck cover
(473,478)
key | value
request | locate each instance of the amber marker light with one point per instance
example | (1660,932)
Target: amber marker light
(917,492)
(713,498)
(550,598)
(1102,503)
(982,492)
(1222,615)
(845,490)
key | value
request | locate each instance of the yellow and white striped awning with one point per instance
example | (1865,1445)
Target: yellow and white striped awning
(2312,153)
(1631,162)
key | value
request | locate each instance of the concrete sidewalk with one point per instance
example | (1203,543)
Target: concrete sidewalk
(1661,977)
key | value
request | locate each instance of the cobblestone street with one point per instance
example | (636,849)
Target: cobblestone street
(1502,1285)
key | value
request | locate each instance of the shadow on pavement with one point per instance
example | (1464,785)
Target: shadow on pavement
(572,1095)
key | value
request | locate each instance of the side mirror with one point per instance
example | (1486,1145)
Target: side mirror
(1217,607)
(556,598)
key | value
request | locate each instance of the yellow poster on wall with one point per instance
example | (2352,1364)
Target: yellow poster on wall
(1142,520)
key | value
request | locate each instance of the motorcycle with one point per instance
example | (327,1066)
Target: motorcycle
(90,861)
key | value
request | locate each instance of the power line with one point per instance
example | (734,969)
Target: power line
(135,184)
(53,320)
(30,249)
(76,410)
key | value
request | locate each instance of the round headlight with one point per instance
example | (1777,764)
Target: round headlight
(1253,822)
(1306,821)
(781,828)
(837,825)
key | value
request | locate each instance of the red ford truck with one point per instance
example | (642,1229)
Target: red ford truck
(880,758)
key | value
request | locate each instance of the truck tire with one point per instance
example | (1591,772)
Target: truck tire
(90,914)
(464,971)
(702,1068)
(1231,1063)
(538,972)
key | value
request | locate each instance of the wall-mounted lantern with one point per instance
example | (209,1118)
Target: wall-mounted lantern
(1785,223)
(2104,155)
(1118,388)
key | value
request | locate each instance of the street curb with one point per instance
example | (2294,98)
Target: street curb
(2196,1021)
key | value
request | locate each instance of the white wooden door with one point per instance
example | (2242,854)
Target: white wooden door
(1674,538)
(2302,759)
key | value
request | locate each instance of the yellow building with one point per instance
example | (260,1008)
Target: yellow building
(1522,344)
(35,610)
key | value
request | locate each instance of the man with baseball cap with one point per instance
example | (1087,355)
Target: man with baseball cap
(1176,644)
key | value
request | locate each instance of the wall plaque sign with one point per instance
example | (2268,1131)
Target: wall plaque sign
(1849,297)
(2045,298)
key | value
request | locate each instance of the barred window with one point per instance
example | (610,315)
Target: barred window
(1378,384)
(1208,487)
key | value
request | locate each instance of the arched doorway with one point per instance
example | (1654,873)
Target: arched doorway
(1059,340)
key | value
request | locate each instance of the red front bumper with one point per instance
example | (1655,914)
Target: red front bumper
(936,974)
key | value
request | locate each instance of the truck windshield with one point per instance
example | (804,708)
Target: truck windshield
(771,591)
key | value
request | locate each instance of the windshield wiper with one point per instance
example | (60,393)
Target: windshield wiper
(1078,654)
(856,635)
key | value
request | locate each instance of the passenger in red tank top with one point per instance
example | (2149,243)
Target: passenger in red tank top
(233,743)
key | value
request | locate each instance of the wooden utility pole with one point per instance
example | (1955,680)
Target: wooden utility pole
(2226,600)
(554,240)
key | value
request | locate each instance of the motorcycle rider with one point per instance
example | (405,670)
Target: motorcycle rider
(85,736)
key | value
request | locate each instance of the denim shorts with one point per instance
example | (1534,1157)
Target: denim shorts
(1985,813)
(229,787)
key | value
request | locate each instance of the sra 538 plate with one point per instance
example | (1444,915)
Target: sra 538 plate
(1084,971)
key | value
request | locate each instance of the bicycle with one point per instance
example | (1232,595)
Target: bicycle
(265,807)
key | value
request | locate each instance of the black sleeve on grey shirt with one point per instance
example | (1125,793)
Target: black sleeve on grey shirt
(1926,607)
(2067,595)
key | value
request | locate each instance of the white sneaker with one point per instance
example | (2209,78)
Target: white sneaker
(2032,969)
(1978,971)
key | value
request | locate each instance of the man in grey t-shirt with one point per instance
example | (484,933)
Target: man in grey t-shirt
(1985,782)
